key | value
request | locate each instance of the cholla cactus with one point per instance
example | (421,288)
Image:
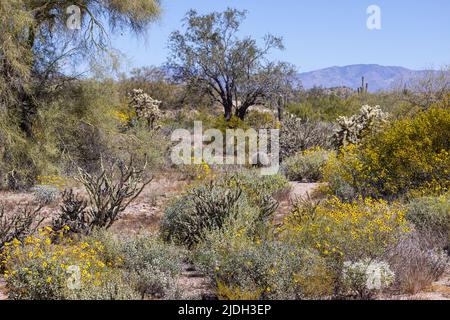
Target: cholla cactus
(352,130)
(145,106)
(367,277)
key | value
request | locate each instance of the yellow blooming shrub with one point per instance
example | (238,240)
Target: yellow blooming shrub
(352,231)
(123,117)
(222,124)
(243,265)
(52,181)
(409,156)
(39,269)
(235,293)
(198,171)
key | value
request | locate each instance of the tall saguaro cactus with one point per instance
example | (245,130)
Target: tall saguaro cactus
(364,87)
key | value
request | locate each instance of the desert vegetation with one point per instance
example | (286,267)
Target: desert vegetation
(92,207)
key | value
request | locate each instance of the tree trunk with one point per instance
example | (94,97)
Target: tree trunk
(241,112)
(228,111)
(280,106)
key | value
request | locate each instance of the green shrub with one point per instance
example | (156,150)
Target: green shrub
(316,105)
(153,267)
(115,286)
(306,166)
(354,231)
(343,173)
(298,135)
(19,222)
(431,215)
(238,262)
(207,206)
(202,208)
(101,266)
(261,120)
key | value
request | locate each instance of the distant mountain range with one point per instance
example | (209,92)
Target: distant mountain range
(378,77)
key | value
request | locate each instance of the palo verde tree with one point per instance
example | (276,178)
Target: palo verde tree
(234,72)
(36,40)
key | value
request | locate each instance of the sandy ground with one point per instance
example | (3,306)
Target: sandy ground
(3,295)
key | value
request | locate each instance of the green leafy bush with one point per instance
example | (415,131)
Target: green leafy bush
(306,166)
(266,185)
(115,286)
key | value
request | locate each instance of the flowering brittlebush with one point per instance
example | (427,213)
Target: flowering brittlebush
(37,268)
(356,230)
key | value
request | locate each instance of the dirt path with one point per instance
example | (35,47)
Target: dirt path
(298,191)
(144,214)
(302,190)
(194,285)
(3,294)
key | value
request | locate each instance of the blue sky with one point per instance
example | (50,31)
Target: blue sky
(318,33)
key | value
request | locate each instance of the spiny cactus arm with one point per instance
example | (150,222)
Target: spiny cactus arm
(20,224)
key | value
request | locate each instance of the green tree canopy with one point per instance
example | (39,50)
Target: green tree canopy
(35,41)
(235,72)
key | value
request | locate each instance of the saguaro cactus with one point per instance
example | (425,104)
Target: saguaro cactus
(364,87)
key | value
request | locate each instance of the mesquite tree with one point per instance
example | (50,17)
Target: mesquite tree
(234,72)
